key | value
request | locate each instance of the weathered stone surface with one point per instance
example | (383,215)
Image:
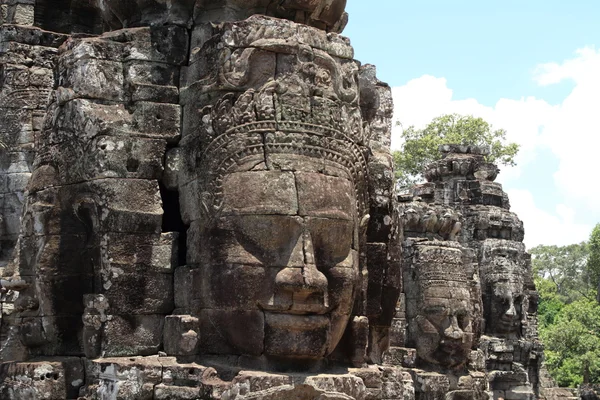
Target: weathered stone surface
(478,209)
(324,14)
(204,195)
(58,378)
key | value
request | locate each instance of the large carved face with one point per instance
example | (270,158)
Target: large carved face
(444,324)
(280,262)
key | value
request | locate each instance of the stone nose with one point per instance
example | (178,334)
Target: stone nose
(305,278)
(453,331)
(512,311)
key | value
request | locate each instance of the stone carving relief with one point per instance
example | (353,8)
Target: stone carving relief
(199,203)
(503,271)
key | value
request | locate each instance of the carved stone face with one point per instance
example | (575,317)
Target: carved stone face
(281,259)
(506,306)
(444,325)
(502,272)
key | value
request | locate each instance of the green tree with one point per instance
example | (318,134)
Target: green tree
(572,344)
(565,267)
(421,145)
(593,264)
(568,313)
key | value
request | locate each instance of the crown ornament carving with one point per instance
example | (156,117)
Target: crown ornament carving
(275,120)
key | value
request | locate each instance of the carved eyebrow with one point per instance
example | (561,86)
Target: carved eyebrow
(435,309)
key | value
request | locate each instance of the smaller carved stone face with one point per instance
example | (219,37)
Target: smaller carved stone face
(506,307)
(445,334)
(502,271)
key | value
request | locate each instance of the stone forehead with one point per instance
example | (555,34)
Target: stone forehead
(226,153)
(288,193)
(440,262)
(444,290)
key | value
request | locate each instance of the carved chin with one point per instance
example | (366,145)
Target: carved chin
(303,336)
(451,354)
(506,325)
(446,353)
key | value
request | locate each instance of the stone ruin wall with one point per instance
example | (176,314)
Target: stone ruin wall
(121,145)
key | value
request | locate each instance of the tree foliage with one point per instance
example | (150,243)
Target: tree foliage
(566,268)
(593,264)
(572,344)
(420,146)
(569,314)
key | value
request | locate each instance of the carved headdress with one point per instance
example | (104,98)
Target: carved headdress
(256,128)
(440,262)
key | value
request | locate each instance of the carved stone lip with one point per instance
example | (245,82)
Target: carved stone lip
(451,347)
(508,324)
(296,322)
(296,309)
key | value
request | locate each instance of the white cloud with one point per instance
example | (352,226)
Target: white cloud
(573,132)
(570,130)
(427,97)
(545,228)
(582,68)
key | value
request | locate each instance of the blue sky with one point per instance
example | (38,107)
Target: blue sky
(531,67)
(485,49)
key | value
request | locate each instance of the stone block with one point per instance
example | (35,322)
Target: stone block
(260,192)
(137,291)
(519,393)
(183,288)
(91,48)
(23,14)
(110,205)
(152,252)
(159,43)
(154,93)
(338,203)
(42,77)
(181,335)
(121,157)
(24,54)
(173,169)
(30,98)
(31,35)
(53,378)
(397,384)
(62,295)
(54,255)
(129,205)
(92,78)
(131,335)
(164,392)
(151,73)
(405,357)
(231,332)
(84,120)
(254,285)
(430,382)
(282,338)
(351,386)
(52,336)
(157,120)
(123,378)
(177,373)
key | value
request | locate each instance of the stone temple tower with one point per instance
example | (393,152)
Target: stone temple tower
(198,203)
